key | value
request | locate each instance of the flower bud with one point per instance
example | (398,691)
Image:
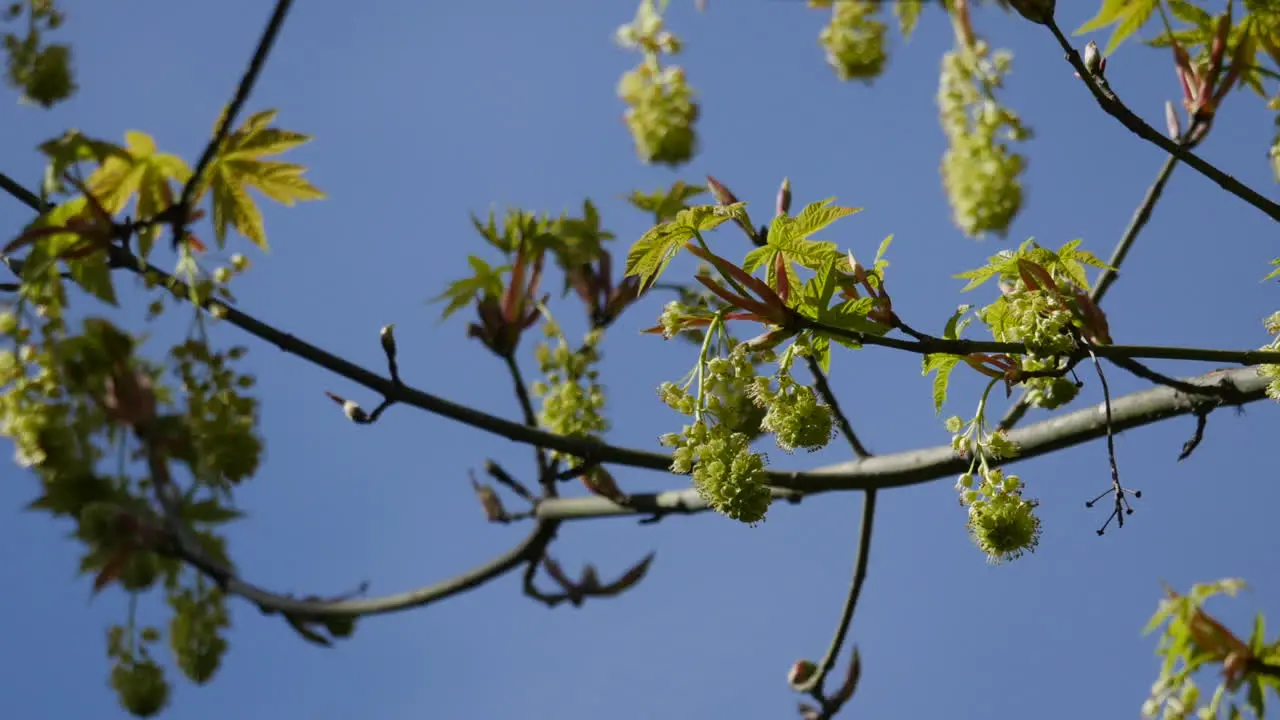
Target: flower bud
(800,672)
(721,193)
(784,197)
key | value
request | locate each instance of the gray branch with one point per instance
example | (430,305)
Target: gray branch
(920,466)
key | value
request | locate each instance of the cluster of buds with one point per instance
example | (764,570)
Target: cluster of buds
(503,320)
(1205,84)
(594,284)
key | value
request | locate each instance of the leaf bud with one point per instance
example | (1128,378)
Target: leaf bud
(1094,62)
(388,337)
(800,673)
(784,197)
(1171,121)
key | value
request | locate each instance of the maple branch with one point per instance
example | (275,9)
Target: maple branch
(528,550)
(1113,106)
(924,465)
(243,90)
(929,345)
(593,451)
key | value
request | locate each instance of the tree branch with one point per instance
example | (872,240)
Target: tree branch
(1112,105)
(528,549)
(916,467)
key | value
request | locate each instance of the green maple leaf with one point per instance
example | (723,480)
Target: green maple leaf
(651,254)
(142,171)
(790,238)
(1274,273)
(484,281)
(239,165)
(1128,16)
(665,203)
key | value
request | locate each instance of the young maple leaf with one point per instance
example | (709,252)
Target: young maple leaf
(143,171)
(239,165)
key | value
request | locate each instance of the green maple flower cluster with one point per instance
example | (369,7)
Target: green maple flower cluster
(40,70)
(795,416)
(1039,319)
(1002,523)
(1047,317)
(854,40)
(572,397)
(979,171)
(661,111)
(715,448)
(63,398)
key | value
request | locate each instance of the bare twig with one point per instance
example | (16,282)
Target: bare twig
(545,475)
(1121,502)
(815,685)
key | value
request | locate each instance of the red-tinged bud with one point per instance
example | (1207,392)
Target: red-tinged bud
(1171,121)
(784,198)
(800,673)
(721,193)
(601,482)
(489,501)
(1219,45)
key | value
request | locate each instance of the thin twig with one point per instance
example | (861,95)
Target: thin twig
(829,397)
(532,546)
(1139,221)
(243,90)
(1121,503)
(1225,392)
(815,685)
(545,475)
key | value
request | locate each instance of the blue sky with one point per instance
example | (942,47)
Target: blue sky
(426,111)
